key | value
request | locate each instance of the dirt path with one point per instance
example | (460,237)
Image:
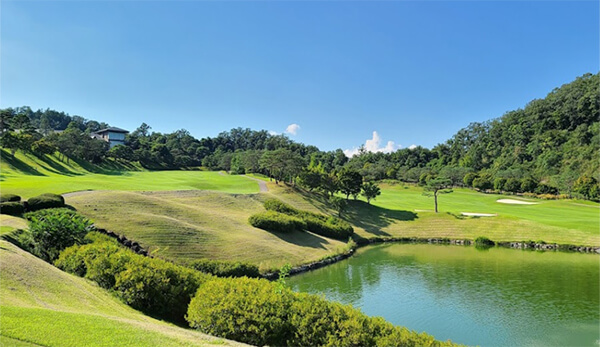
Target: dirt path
(261,184)
(81,192)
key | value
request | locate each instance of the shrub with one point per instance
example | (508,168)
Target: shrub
(512,185)
(154,286)
(51,231)
(275,221)
(317,223)
(45,201)
(469,178)
(483,241)
(543,188)
(248,310)
(328,226)
(259,312)
(9,198)
(12,208)
(482,183)
(226,268)
(499,183)
(279,206)
(528,185)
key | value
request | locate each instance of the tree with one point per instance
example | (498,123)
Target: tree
(370,191)
(330,183)
(12,141)
(310,179)
(437,186)
(6,116)
(338,204)
(350,182)
(121,152)
(43,147)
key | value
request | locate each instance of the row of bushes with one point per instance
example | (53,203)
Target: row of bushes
(153,286)
(221,268)
(275,221)
(12,205)
(261,313)
(328,226)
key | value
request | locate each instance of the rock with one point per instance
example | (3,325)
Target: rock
(127,243)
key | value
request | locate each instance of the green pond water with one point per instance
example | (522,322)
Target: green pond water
(494,297)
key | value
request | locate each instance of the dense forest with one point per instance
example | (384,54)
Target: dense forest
(549,147)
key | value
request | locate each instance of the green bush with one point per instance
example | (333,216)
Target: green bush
(484,242)
(328,226)
(9,198)
(51,231)
(12,208)
(279,206)
(260,313)
(512,185)
(154,286)
(319,224)
(275,221)
(226,268)
(45,201)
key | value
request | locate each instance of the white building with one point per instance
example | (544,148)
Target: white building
(113,135)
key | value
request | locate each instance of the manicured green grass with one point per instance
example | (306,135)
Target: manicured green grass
(28,175)
(403,212)
(41,305)
(188,225)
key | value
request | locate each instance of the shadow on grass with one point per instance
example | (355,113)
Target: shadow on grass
(374,218)
(54,166)
(18,165)
(302,238)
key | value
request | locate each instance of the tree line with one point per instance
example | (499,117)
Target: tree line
(548,147)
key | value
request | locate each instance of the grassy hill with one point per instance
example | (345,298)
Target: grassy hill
(41,305)
(29,175)
(187,225)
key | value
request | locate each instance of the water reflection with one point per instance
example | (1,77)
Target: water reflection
(497,297)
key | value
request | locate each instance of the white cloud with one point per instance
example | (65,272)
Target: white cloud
(274,133)
(374,145)
(292,129)
(413,146)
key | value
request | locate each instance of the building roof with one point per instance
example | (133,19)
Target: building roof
(112,130)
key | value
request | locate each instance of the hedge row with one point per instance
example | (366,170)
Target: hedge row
(226,268)
(12,205)
(9,198)
(45,201)
(260,313)
(275,221)
(328,226)
(154,286)
(12,208)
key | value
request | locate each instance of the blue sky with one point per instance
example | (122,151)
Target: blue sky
(414,72)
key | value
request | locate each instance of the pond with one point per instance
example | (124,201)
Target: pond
(494,297)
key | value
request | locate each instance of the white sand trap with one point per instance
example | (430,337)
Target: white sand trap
(516,202)
(479,214)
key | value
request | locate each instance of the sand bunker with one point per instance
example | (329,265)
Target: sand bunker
(515,202)
(479,214)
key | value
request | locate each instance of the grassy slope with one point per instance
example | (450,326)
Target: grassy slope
(40,304)
(398,212)
(28,175)
(187,225)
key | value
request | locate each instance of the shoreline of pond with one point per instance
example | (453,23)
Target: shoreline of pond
(516,245)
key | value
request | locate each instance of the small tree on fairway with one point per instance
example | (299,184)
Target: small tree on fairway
(370,191)
(437,186)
